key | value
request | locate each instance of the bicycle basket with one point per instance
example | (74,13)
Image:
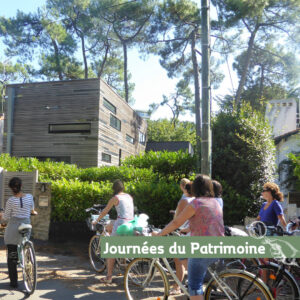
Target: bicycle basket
(89,222)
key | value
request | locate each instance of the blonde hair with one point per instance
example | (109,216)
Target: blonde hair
(184,181)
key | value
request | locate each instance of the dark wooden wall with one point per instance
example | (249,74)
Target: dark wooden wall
(112,140)
(78,101)
(39,104)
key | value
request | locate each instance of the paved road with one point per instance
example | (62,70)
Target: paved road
(64,273)
(61,277)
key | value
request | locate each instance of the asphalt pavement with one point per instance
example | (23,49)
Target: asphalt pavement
(64,273)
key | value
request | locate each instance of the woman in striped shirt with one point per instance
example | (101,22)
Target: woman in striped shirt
(17,210)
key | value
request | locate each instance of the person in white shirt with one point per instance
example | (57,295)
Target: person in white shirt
(125,209)
(18,209)
(181,264)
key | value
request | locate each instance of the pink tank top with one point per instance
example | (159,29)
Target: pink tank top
(208,218)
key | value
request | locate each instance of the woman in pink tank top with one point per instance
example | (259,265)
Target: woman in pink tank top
(205,217)
(125,210)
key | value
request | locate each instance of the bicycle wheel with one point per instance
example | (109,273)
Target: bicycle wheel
(238,284)
(29,267)
(281,283)
(143,282)
(96,261)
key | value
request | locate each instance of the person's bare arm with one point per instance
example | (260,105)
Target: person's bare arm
(186,214)
(180,207)
(113,201)
(282,220)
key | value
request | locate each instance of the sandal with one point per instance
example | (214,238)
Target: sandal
(175,291)
(106,279)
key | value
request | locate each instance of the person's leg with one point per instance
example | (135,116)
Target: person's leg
(110,266)
(197,268)
(12,260)
(198,297)
(179,267)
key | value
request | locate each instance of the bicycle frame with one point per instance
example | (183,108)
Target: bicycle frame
(223,286)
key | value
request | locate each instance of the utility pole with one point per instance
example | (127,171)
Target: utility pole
(205,47)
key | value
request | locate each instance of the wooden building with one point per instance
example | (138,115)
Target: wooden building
(82,122)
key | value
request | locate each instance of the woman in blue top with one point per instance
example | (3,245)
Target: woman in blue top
(271,211)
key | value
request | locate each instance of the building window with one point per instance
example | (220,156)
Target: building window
(142,138)
(109,106)
(129,139)
(115,122)
(106,157)
(70,128)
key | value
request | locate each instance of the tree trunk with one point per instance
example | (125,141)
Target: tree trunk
(261,84)
(125,71)
(103,62)
(86,70)
(197,98)
(57,60)
(245,67)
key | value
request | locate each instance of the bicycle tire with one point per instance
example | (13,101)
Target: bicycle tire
(242,284)
(96,261)
(29,267)
(281,282)
(139,283)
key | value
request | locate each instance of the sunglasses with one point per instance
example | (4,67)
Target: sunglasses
(266,190)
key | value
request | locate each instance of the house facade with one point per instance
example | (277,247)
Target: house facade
(82,122)
(283,116)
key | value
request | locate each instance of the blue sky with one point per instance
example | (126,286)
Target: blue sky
(151,81)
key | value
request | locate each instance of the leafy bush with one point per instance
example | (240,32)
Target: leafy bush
(168,165)
(112,173)
(70,198)
(243,155)
(155,199)
(237,206)
(164,130)
(48,170)
(295,158)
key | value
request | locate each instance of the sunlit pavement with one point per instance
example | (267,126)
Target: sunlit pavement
(64,273)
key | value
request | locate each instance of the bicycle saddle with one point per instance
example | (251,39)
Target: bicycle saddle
(24,227)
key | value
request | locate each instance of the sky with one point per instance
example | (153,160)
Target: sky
(151,80)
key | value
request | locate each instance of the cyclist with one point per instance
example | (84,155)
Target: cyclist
(180,263)
(17,211)
(206,219)
(125,210)
(271,211)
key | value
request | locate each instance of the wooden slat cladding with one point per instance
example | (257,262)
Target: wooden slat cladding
(115,140)
(40,104)
(78,101)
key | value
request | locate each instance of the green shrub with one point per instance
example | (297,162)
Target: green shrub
(112,173)
(168,165)
(48,170)
(70,198)
(295,159)
(243,155)
(237,206)
(155,199)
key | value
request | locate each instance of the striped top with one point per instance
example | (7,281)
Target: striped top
(18,207)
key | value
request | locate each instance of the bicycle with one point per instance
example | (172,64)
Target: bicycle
(27,259)
(277,277)
(97,262)
(147,278)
